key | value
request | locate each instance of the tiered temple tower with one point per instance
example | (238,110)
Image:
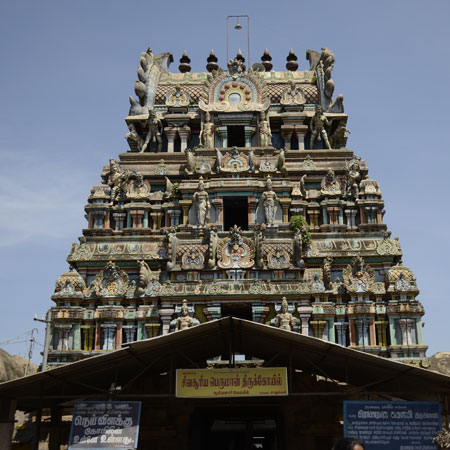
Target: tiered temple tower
(237,196)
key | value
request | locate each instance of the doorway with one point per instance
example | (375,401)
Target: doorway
(236,136)
(235,212)
(223,430)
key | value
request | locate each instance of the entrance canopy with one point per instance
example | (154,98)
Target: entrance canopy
(121,372)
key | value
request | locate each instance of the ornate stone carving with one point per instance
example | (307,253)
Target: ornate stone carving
(330,184)
(172,243)
(193,257)
(109,282)
(269,199)
(267,165)
(369,187)
(259,237)
(265,135)
(317,127)
(326,267)
(388,246)
(233,161)
(148,281)
(400,278)
(278,256)
(81,252)
(119,180)
(212,246)
(202,204)
(236,251)
(178,98)
(184,320)
(149,71)
(351,178)
(358,276)
(308,163)
(138,190)
(153,128)
(284,319)
(293,96)
(339,137)
(69,285)
(161,168)
(207,132)
(298,188)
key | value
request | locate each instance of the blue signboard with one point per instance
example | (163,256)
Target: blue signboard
(101,425)
(393,425)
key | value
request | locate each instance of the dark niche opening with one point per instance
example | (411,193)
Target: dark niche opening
(238,310)
(236,136)
(235,212)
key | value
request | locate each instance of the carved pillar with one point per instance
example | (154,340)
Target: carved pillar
(223,133)
(379,216)
(251,204)
(166,316)
(174,217)
(248,131)
(157,218)
(185,204)
(285,203)
(62,333)
(371,214)
(218,204)
(170,134)
(137,216)
(184,133)
(88,337)
(314,219)
(98,336)
(333,213)
(381,326)
(362,331)
(341,333)
(351,219)
(152,329)
(305,310)
(98,218)
(318,326)
(301,131)
(109,336)
(129,332)
(286,134)
(405,328)
(119,217)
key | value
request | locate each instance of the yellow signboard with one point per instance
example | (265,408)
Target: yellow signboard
(220,383)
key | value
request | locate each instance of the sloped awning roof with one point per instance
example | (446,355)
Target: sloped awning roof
(192,347)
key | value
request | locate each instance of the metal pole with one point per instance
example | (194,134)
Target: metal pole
(47,322)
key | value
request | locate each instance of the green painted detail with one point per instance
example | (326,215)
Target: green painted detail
(199,314)
(140,331)
(129,220)
(331,331)
(313,185)
(76,336)
(145,220)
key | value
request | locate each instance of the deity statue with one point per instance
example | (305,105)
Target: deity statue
(185,320)
(269,199)
(154,132)
(265,135)
(330,185)
(213,241)
(201,201)
(317,127)
(207,132)
(284,319)
(352,177)
(118,180)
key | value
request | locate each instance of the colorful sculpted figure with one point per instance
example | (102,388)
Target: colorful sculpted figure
(201,201)
(207,132)
(185,320)
(284,319)
(269,199)
(154,132)
(265,135)
(317,127)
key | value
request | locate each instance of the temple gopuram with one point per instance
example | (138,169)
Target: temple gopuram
(236,196)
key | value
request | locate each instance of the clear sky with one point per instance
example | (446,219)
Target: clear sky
(67,68)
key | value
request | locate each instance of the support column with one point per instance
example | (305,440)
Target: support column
(152,329)
(341,333)
(137,215)
(301,131)
(170,134)
(119,218)
(304,311)
(248,131)
(76,336)
(174,215)
(223,133)
(184,134)
(286,134)
(381,326)
(166,316)
(314,219)
(7,413)
(218,204)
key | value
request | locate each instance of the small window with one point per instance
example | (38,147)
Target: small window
(236,136)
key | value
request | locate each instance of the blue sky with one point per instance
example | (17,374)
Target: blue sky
(68,67)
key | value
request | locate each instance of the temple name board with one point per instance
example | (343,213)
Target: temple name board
(108,425)
(393,425)
(220,383)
